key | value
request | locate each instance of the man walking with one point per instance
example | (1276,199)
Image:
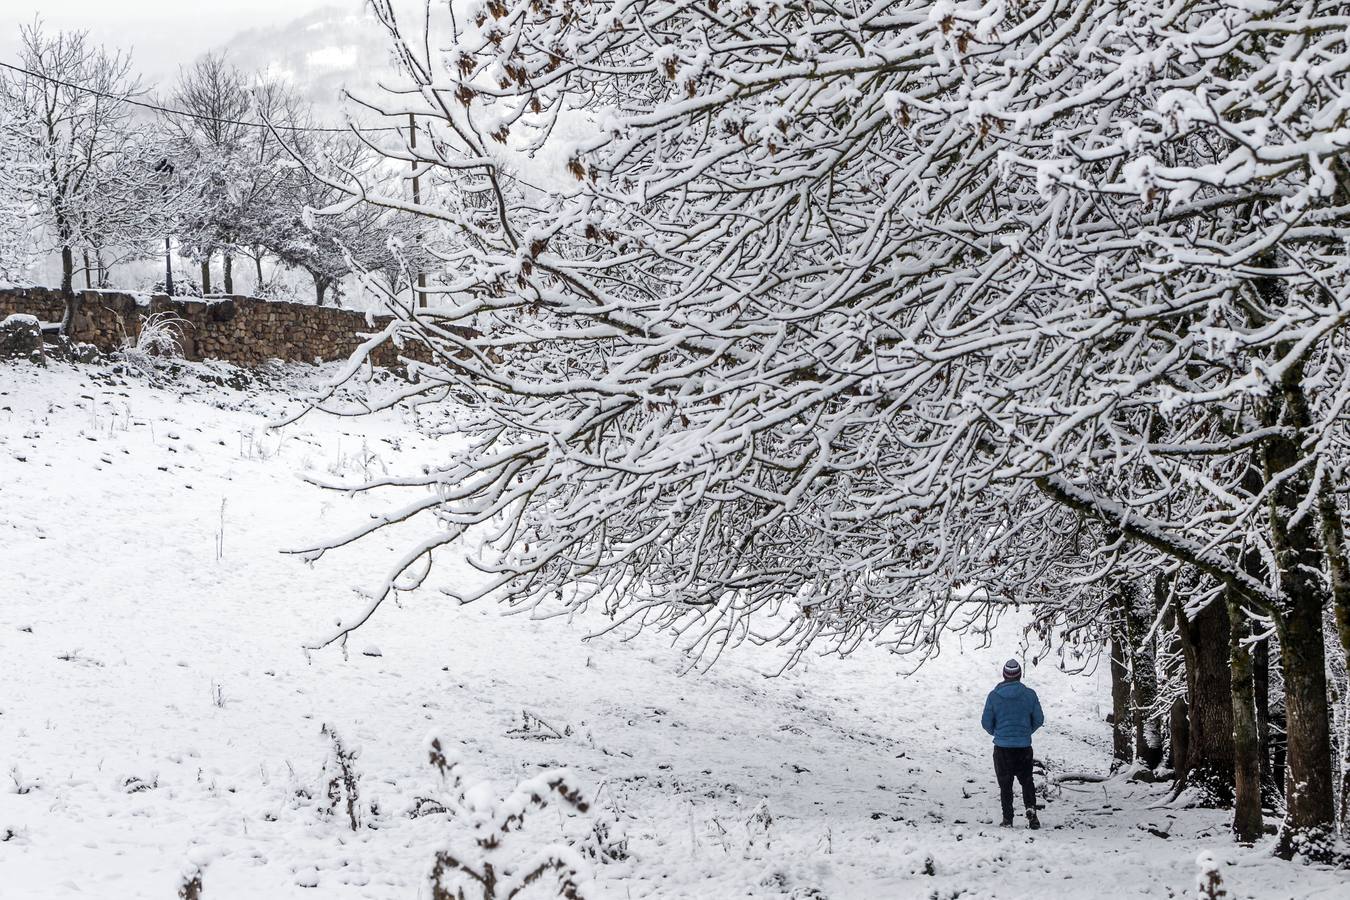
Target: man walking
(1011,714)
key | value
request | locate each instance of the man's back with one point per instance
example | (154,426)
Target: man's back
(1011,713)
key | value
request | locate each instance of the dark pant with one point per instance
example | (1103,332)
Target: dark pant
(1010,763)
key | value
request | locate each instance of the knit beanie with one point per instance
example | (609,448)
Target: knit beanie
(1012,669)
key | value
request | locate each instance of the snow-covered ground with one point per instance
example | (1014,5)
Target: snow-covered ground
(157,709)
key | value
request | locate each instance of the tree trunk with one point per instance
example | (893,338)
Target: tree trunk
(1309,791)
(1120,697)
(1338,566)
(1141,603)
(206,274)
(257,268)
(68,290)
(1179,726)
(320,288)
(67,271)
(1178,733)
(1270,787)
(1342,726)
(88,272)
(1246,745)
(1209,764)
(168,266)
(1308,781)
(227,266)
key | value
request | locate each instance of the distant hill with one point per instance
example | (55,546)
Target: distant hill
(332,48)
(319,53)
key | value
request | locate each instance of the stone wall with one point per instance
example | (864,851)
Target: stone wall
(241,330)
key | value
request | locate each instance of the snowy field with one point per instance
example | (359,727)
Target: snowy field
(157,710)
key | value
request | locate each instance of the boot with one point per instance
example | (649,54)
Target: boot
(1033,822)
(1007,820)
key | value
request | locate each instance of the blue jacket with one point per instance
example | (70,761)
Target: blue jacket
(1011,714)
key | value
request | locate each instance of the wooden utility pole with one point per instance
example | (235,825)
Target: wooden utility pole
(417,199)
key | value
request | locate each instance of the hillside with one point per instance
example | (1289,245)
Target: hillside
(319,53)
(158,710)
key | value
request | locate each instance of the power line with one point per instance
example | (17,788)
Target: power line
(183,112)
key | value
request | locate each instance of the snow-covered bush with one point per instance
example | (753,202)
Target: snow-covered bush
(191,887)
(1209,881)
(159,336)
(342,780)
(183,286)
(498,861)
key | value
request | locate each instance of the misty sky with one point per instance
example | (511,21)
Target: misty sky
(162,33)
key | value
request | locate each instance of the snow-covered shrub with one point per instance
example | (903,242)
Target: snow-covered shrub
(21,785)
(796,879)
(1209,882)
(758,824)
(159,336)
(496,863)
(342,779)
(607,841)
(182,287)
(191,888)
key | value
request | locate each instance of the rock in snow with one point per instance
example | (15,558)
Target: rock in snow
(21,338)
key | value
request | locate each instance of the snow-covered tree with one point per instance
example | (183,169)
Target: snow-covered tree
(74,131)
(212,138)
(825,311)
(142,200)
(16,226)
(236,136)
(352,238)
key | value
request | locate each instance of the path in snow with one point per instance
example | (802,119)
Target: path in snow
(156,705)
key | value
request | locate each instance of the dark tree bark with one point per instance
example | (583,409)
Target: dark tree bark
(1247,825)
(227,276)
(1308,781)
(67,271)
(1179,730)
(206,274)
(63,231)
(168,266)
(1309,791)
(1120,697)
(1209,763)
(1270,786)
